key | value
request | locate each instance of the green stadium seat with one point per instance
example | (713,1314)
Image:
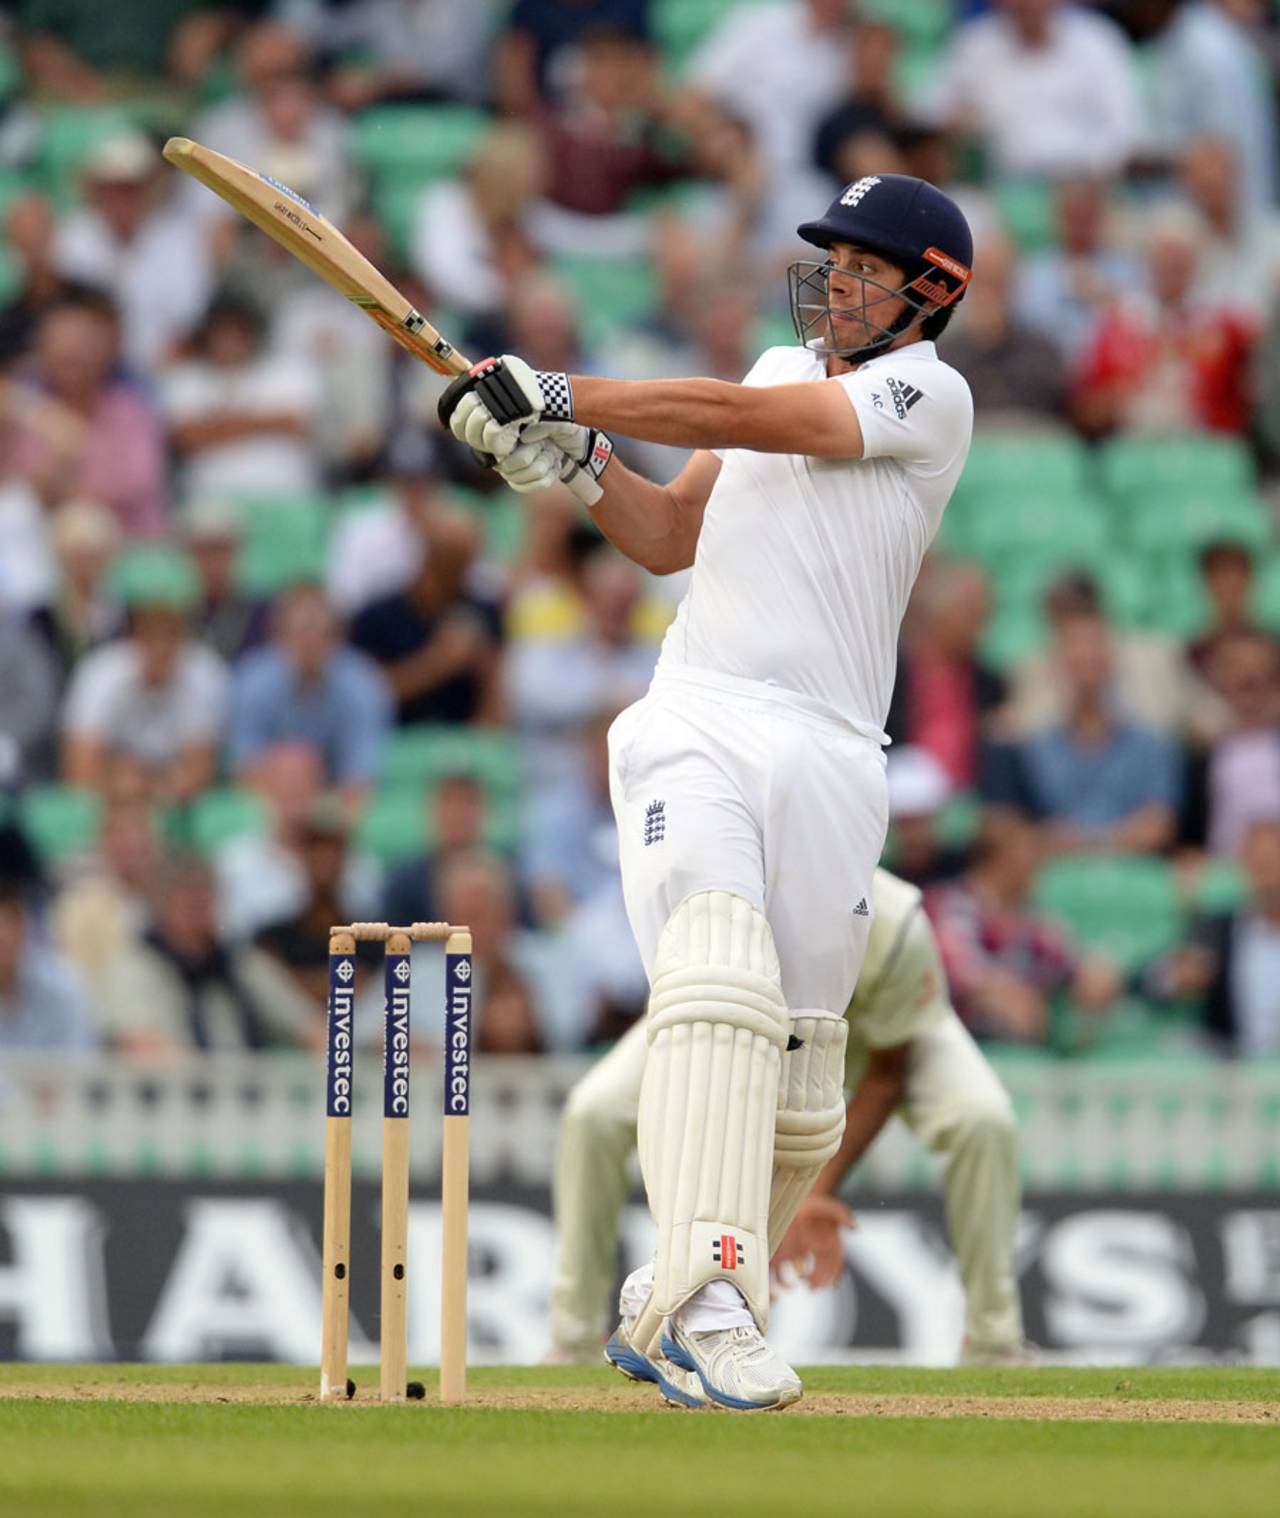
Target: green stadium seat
(418,757)
(610,292)
(1266,593)
(503,517)
(1026,208)
(285,541)
(60,819)
(68,134)
(920,23)
(1222,887)
(393,825)
(1123,906)
(1044,464)
(680,27)
(1014,633)
(1052,533)
(415,144)
(1152,465)
(1182,521)
(224,813)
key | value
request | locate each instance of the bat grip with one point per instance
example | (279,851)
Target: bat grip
(580,483)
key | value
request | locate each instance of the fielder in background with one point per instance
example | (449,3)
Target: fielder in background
(909,1053)
(749,783)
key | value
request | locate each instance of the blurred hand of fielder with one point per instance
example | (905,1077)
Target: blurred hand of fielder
(811,1249)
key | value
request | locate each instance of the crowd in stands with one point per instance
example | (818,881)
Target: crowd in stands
(275,653)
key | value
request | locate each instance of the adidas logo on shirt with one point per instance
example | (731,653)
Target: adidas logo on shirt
(862,909)
(904,396)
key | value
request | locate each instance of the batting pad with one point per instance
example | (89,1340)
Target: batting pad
(717,1026)
(810,1114)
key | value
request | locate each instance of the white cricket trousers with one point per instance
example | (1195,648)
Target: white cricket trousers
(721,784)
(954,1103)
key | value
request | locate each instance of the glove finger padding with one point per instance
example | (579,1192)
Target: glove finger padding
(532,466)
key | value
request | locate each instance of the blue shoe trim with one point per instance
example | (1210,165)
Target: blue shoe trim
(678,1355)
(638,1367)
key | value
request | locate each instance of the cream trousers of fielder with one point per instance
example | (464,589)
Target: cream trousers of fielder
(954,1104)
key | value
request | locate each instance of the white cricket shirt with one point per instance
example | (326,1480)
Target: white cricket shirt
(804,565)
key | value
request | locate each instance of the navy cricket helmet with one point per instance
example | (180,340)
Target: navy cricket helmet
(906,220)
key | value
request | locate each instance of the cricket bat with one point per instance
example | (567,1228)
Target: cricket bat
(316,242)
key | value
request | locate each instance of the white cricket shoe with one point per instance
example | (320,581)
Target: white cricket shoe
(681,1388)
(737,1367)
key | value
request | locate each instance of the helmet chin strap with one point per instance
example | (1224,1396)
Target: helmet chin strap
(900,324)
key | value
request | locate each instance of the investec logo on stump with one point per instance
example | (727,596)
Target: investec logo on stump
(342,982)
(395,1052)
(457,1039)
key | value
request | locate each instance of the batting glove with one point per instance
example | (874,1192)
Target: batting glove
(487,406)
(550,452)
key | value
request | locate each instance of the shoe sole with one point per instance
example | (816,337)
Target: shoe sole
(678,1355)
(638,1367)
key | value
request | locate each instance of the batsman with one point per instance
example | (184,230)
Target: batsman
(748,784)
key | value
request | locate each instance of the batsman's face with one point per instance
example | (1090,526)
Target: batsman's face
(861,286)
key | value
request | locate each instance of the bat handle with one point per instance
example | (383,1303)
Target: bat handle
(580,483)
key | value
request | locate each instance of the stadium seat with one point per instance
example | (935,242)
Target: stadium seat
(224,813)
(393,825)
(1266,593)
(284,543)
(1043,463)
(1027,212)
(610,292)
(503,517)
(68,134)
(1181,521)
(415,144)
(681,26)
(417,757)
(1053,533)
(60,819)
(1150,465)
(1123,906)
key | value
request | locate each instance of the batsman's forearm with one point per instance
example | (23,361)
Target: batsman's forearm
(869,1109)
(684,413)
(642,520)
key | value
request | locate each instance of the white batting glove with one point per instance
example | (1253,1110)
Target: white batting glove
(549,452)
(533,466)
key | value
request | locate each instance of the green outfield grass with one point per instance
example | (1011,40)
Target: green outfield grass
(136,1443)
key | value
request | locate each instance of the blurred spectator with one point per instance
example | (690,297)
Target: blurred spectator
(780,68)
(242,418)
(457,806)
(538,50)
(184,986)
(1227,574)
(386,50)
(351,363)
(618,132)
(103,908)
(224,617)
(556,687)
(298,943)
(135,243)
(1211,75)
(154,695)
(29,228)
(85,610)
(28,571)
(1004,961)
(42,1004)
(870,106)
(944,694)
(1150,685)
(1015,372)
(919,788)
(1096,781)
(307,687)
(279,123)
(1232,960)
(83,429)
(1166,360)
(1046,88)
(28,699)
(1240,253)
(471,236)
(1238,777)
(526,997)
(1063,290)
(570,845)
(262,877)
(68,52)
(438,641)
